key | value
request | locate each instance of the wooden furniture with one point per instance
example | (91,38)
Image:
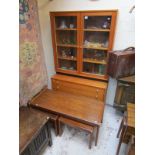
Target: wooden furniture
(131,146)
(81,41)
(127,127)
(34,131)
(52,118)
(79,86)
(75,107)
(88,128)
(121,63)
(125,92)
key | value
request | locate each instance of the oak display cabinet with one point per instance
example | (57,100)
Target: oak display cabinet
(81,41)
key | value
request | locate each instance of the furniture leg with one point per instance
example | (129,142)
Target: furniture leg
(121,139)
(121,125)
(49,134)
(56,128)
(90,140)
(60,128)
(97,133)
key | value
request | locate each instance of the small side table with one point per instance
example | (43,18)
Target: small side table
(34,131)
(127,127)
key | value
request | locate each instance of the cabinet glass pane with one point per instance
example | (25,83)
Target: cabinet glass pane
(94,56)
(97,22)
(63,22)
(66,37)
(94,61)
(95,39)
(67,53)
(67,64)
(67,58)
(94,68)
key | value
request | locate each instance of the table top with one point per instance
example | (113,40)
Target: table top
(131,115)
(81,108)
(30,123)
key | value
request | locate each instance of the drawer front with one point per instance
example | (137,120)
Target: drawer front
(78,89)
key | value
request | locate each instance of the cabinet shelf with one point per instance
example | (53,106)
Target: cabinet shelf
(97,30)
(66,29)
(67,58)
(97,48)
(95,61)
(67,45)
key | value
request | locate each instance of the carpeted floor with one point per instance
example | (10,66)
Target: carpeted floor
(75,142)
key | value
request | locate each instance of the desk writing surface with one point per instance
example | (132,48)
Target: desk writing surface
(78,107)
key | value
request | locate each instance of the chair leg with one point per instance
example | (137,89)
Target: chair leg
(121,139)
(90,140)
(97,133)
(121,125)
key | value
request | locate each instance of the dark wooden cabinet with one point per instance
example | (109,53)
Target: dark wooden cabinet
(121,63)
(81,41)
(34,131)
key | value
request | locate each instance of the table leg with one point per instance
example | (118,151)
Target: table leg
(97,133)
(49,134)
(56,127)
(59,128)
(90,140)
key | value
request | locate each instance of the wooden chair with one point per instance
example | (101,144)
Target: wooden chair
(121,132)
(89,129)
(127,127)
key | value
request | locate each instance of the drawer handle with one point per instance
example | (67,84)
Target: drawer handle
(97,90)
(96,96)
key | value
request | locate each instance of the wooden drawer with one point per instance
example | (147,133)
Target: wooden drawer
(79,88)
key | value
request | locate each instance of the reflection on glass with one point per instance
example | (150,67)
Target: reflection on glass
(65,52)
(63,22)
(94,68)
(91,54)
(66,37)
(67,64)
(97,22)
(96,39)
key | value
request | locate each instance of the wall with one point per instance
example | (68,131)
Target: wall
(124,31)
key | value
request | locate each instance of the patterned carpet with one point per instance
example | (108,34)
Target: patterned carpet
(75,142)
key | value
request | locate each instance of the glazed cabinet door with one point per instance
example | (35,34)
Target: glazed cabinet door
(96,40)
(65,36)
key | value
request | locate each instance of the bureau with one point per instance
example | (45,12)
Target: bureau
(79,86)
